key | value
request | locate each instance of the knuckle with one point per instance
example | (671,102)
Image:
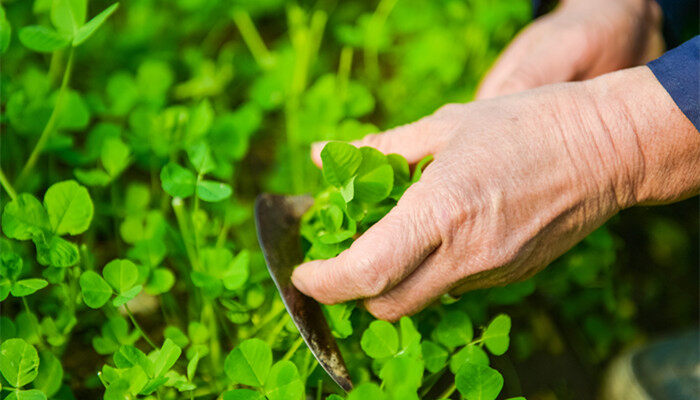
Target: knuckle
(385,310)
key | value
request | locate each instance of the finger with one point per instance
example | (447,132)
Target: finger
(380,258)
(425,285)
(414,141)
(539,56)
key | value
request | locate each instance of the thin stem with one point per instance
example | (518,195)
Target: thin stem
(252,38)
(50,125)
(277,329)
(7,185)
(319,389)
(138,327)
(447,393)
(185,231)
(293,349)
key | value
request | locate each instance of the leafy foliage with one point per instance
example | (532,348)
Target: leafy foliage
(133,148)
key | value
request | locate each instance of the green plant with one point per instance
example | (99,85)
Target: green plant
(133,144)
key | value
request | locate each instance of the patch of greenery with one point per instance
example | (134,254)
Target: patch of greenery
(135,137)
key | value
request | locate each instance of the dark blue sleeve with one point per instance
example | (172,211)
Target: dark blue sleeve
(678,71)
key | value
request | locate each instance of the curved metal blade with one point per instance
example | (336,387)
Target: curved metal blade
(277,220)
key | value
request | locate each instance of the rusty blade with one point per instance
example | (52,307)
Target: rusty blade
(277,220)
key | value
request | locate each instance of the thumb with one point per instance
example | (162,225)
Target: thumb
(414,141)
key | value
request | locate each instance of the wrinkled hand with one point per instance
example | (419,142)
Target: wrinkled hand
(516,181)
(581,39)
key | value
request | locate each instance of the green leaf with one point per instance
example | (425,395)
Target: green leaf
(5,286)
(410,337)
(10,266)
(434,356)
(5,31)
(478,382)
(69,207)
(177,181)
(176,335)
(92,177)
(249,363)
(238,270)
(376,185)
(402,371)
(68,15)
(96,291)
(91,26)
(495,336)
(19,362)
(120,274)
(284,382)
(167,357)
(50,375)
(25,287)
(115,156)
(160,281)
(129,356)
(242,394)
(124,297)
(42,39)
(454,329)
(340,162)
(380,340)
(24,217)
(366,391)
(201,158)
(55,251)
(418,172)
(212,191)
(468,354)
(33,394)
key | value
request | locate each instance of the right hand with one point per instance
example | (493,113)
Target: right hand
(581,39)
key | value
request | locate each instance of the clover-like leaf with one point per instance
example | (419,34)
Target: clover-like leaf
(50,376)
(177,181)
(69,207)
(166,358)
(120,274)
(19,362)
(96,291)
(24,217)
(5,31)
(375,185)
(249,363)
(53,250)
(212,191)
(496,336)
(366,391)
(124,297)
(478,382)
(42,39)
(68,15)
(434,356)
(201,157)
(454,329)
(25,287)
(91,26)
(380,340)
(160,281)
(32,394)
(470,353)
(340,162)
(284,382)
(115,156)
(242,394)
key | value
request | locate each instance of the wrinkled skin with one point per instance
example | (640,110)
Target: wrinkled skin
(579,40)
(516,182)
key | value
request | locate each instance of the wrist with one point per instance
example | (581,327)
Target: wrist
(653,148)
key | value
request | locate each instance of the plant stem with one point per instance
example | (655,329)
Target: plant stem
(138,327)
(447,393)
(50,125)
(185,231)
(293,349)
(371,45)
(7,185)
(252,38)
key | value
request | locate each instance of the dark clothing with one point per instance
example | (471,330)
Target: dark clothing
(678,71)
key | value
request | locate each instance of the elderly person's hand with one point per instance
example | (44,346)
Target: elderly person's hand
(581,39)
(516,181)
